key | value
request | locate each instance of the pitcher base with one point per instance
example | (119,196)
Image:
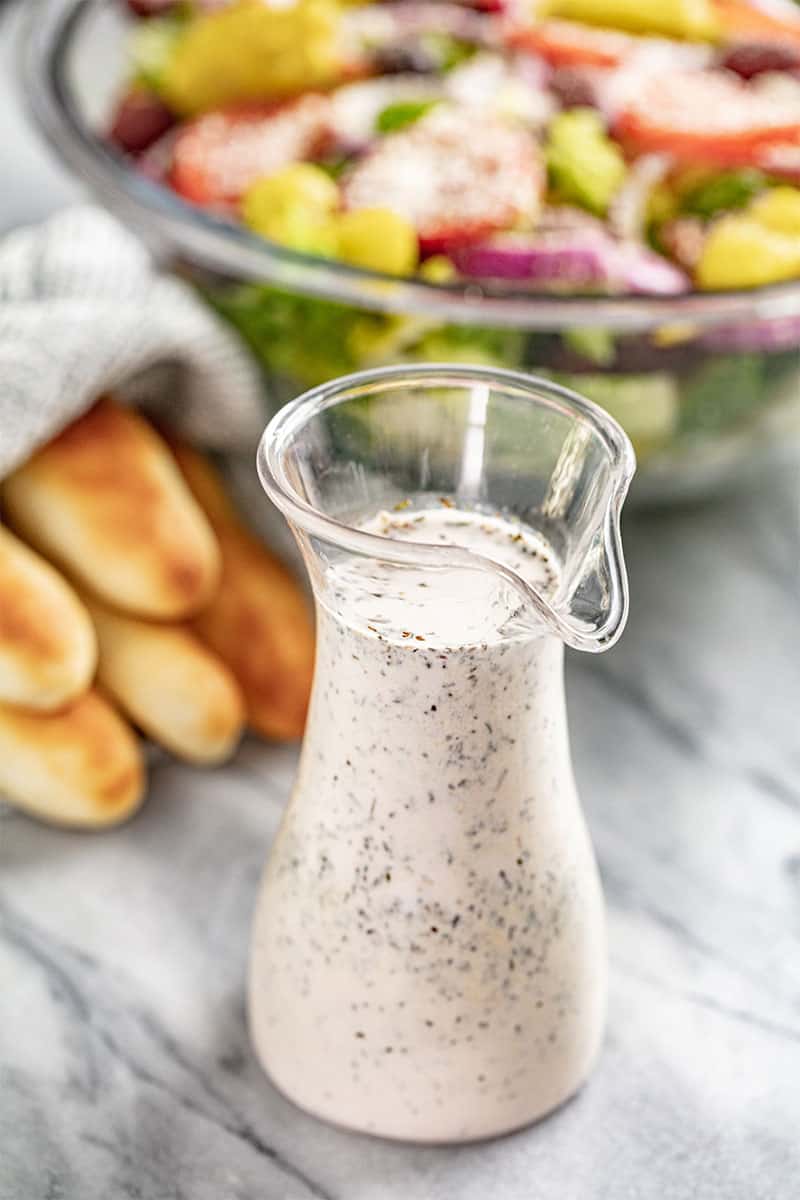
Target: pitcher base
(433,1131)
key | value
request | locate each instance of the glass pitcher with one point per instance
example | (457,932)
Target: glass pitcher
(428,958)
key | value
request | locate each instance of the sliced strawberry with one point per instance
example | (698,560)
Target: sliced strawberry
(456,175)
(568,44)
(707,117)
(218,155)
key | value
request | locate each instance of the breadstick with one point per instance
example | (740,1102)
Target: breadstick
(259,621)
(81,766)
(47,643)
(170,685)
(104,501)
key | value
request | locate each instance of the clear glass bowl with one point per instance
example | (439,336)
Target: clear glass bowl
(707,385)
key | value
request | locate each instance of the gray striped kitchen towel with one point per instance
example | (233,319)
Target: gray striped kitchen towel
(83,310)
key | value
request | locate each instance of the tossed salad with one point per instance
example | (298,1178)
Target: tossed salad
(601,146)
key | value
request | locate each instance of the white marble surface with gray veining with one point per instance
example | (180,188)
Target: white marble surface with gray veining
(125,1069)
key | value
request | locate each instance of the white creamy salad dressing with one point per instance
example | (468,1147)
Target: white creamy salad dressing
(429,948)
(450,608)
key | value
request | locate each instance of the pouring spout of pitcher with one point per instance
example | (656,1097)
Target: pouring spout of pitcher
(589,610)
(591,617)
(594,613)
(581,513)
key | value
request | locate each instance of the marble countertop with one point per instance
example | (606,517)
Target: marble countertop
(125,1068)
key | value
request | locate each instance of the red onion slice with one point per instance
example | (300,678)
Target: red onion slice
(578,261)
(780,333)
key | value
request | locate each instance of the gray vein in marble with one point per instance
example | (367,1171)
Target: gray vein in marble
(769,785)
(59,964)
(686,938)
(745,1016)
(680,734)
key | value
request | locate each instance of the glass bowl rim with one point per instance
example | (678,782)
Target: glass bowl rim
(50,29)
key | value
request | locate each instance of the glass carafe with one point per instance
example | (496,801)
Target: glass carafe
(429,957)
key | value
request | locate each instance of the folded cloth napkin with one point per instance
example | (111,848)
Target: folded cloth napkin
(83,311)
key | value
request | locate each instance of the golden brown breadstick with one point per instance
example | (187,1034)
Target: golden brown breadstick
(47,643)
(169,684)
(259,621)
(81,766)
(104,501)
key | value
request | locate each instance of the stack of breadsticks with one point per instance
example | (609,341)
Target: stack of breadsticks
(131,594)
